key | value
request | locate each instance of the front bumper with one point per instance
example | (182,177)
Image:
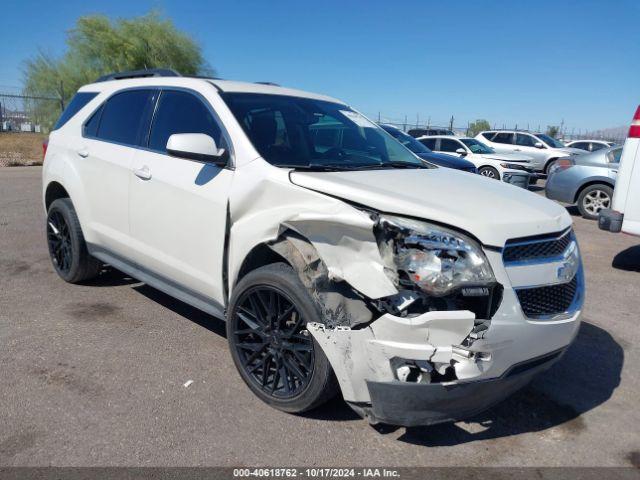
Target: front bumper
(413,404)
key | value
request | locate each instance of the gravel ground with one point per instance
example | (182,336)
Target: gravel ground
(95,374)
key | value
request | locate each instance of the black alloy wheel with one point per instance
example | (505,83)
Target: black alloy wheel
(271,342)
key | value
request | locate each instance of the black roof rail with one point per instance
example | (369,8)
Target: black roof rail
(151,72)
(268,83)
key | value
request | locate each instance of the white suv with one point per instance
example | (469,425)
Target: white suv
(508,167)
(543,149)
(423,293)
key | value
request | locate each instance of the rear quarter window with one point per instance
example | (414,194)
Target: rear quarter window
(78,101)
(122,117)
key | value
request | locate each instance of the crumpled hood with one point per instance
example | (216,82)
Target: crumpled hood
(510,157)
(490,210)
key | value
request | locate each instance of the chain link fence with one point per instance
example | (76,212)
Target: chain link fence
(24,122)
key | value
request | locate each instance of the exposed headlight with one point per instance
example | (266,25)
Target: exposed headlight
(434,258)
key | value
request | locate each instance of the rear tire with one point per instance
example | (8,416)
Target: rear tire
(593,199)
(489,172)
(266,321)
(67,248)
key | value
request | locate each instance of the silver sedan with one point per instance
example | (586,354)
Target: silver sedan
(585,180)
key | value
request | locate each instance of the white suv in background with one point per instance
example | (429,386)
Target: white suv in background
(508,167)
(543,149)
(338,261)
(590,145)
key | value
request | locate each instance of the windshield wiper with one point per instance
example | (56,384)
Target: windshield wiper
(390,164)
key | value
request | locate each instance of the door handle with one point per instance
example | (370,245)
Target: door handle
(144,173)
(83,152)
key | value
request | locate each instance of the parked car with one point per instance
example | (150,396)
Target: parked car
(508,167)
(421,132)
(590,145)
(587,181)
(423,152)
(425,294)
(543,149)
(624,216)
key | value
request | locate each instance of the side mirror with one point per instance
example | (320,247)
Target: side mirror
(538,145)
(461,151)
(196,146)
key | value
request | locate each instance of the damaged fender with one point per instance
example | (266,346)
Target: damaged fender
(264,206)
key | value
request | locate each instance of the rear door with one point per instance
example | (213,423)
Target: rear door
(178,207)
(110,137)
(503,142)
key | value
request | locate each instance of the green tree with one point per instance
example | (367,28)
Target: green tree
(477,127)
(553,130)
(98,45)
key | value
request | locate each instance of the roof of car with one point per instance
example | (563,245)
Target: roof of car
(221,85)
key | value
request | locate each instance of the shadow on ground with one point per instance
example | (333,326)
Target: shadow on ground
(628,259)
(584,378)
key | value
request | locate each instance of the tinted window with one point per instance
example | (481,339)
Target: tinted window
(580,145)
(614,155)
(78,101)
(91,127)
(503,137)
(447,145)
(488,135)
(181,112)
(122,116)
(525,140)
(597,146)
(430,143)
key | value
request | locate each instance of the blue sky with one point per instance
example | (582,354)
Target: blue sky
(509,62)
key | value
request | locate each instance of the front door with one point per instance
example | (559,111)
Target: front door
(178,207)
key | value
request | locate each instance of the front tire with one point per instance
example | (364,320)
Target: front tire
(276,357)
(67,248)
(593,199)
(489,172)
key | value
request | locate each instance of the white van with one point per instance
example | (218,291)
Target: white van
(625,212)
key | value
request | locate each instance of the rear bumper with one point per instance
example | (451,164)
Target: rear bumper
(610,220)
(413,404)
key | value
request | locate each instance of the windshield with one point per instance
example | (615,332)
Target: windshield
(302,132)
(407,140)
(476,147)
(550,141)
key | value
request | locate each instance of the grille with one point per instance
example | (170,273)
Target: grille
(536,249)
(550,300)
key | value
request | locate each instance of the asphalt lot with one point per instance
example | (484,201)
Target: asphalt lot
(94,374)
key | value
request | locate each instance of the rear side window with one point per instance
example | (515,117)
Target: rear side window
(597,146)
(181,112)
(488,135)
(503,137)
(122,117)
(430,143)
(78,101)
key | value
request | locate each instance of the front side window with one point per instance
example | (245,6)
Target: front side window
(503,137)
(552,142)
(448,145)
(525,140)
(181,112)
(302,132)
(476,146)
(78,101)
(122,117)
